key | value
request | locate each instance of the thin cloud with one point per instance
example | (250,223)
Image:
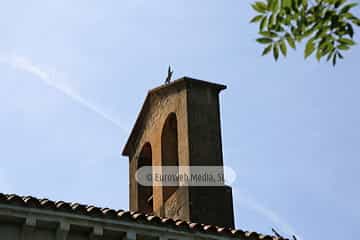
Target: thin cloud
(247,201)
(24,64)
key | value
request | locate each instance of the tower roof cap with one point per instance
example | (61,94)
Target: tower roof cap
(184,82)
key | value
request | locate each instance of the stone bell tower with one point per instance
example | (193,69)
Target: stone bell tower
(179,125)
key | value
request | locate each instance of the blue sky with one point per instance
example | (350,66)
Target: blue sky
(74,75)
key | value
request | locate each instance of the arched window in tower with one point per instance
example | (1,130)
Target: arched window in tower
(169,151)
(145,193)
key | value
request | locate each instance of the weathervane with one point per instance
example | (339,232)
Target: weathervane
(168,78)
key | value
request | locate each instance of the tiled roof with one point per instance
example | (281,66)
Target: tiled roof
(106,213)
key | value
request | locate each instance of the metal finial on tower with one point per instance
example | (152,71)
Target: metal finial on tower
(168,78)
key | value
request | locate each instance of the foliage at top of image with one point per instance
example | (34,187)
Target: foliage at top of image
(328,26)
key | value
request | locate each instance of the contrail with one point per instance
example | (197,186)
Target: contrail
(247,201)
(24,64)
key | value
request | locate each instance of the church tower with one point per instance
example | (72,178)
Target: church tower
(179,125)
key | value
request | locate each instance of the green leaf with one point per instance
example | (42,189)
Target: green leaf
(328,15)
(263,23)
(346,41)
(259,7)
(269,34)
(348,16)
(318,54)
(308,32)
(264,40)
(286,3)
(279,28)
(276,52)
(343,47)
(294,6)
(334,60)
(350,30)
(305,4)
(267,50)
(339,3)
(290,41)
(283,48)
(256,19)
(272,21)
(274,5)
(340,55)
(309,48)
(330,55)
(347,7)
(321,33)
(324,43)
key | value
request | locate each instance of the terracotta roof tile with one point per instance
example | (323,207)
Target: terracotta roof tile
(168,221)
(111,213)
(45,203)
(225,231)
(107,213)
(154,219)
(139,216)
(210,228)
(195,226)
(181,223)
(64,207)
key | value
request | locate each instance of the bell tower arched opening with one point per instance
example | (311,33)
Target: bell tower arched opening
(145,193)
(169,151)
